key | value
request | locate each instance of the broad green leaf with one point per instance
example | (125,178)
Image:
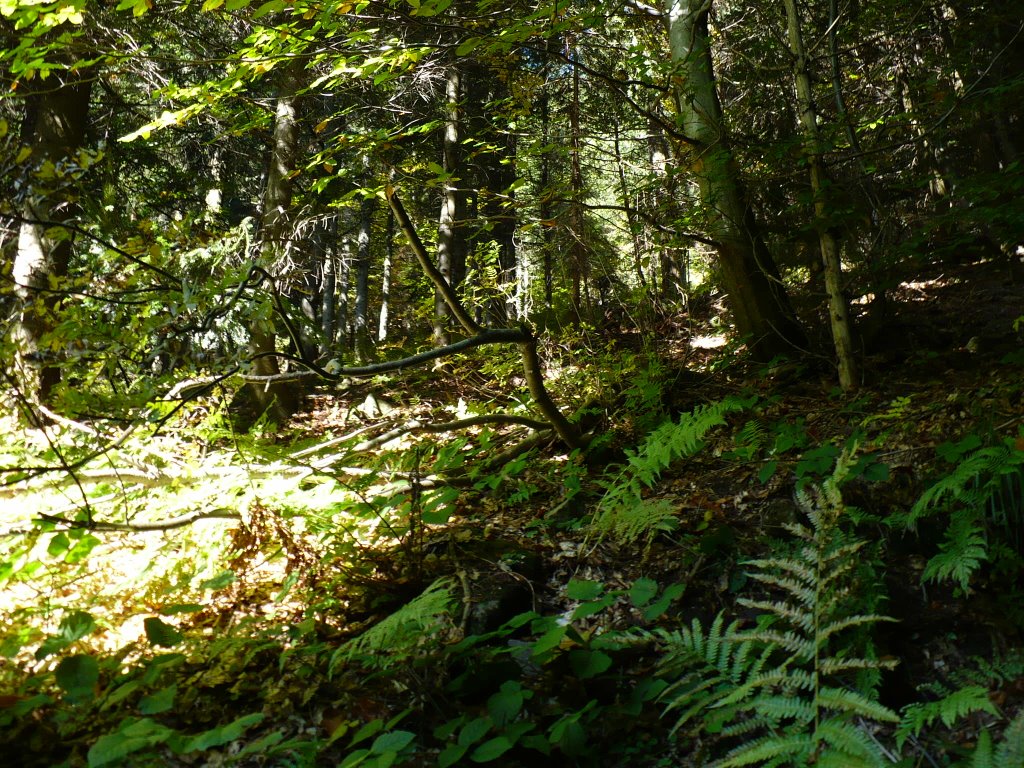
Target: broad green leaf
(221,580)
(474,730)
(74,626)
(394,741)
(643,591)
(160,633)
(214,737)
(580,589)
(158,702)
(588,664)
(505,705)
(451,755)
(78,676)
(491,750)
(130,737)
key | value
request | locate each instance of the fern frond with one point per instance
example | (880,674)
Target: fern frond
(796,749)
(949,709)
(847,746)
(1010,751)
(398,635)
(797,616)
(778,708)
(983,756)
(847,702)
(961,554)
(839,625)
(623,514)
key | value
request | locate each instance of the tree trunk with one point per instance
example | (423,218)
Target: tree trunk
(757,297)
(579,262)
(385,276)
(55,123)
(839,315)
(451,240)
(278,399)
(363,346)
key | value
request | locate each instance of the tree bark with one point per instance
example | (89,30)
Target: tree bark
(278,399)
(757,297)
(839,314)
(363,346)
(451,240)
(56,123)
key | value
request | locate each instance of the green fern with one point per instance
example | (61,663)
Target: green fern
(775,689)
(984,497)
(1009,753)
(392,640)
(624,514)
(949,709)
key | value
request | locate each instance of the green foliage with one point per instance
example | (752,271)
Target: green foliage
(983,497)
(776,690)
(1008,754)
(624,514)
(949,709)
(392,640)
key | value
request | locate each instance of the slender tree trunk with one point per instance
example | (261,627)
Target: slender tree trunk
(279,399)
(55,123)
(385,276)
(361,316)
(579,261)
(545,210)
(629,204)
(839,315)
(451,241)
(329,286)
(757,298)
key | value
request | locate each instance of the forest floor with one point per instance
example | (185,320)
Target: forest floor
(942,378)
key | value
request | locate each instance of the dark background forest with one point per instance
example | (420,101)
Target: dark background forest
(451,382)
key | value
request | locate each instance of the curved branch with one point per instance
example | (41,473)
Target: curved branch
(439,281)
(159,525)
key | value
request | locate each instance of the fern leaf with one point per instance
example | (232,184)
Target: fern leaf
(835,627)
(399,633)
(852,703)
(982,756)
(949,709)
(960,555)
(1010,751)
(778,708)
(796,748)
(795,616)
(852,745)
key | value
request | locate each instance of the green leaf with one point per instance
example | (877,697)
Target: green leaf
(579,589)
(474,730)
(215,737)
(130,737)
(158,702)
(767,471)
(74,626)
(491,750)
(505,705)
(394,741)
(450,755)
(656,609)
(468,46)
(221,580)
(78,676)
(59,544)
(587,664)
(160,633)
(643,591)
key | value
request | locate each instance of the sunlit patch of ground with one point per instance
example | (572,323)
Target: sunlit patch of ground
(123,577)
